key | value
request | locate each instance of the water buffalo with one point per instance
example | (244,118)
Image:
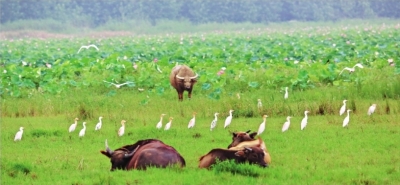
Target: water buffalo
(244,139)
(182,78)
(143,154)
(253,155)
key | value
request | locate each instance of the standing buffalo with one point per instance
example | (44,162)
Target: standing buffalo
(143,154)
(244,139)
(253,155)
(183,78)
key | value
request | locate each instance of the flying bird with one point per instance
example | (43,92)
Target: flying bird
(159,124)
(98,125)
(18,135)
(286,96)
(228,119)
(261,128)
(121,130)
(192,121)
(118,85)
(352,69)
(346,119)
(73,126)
(214,122)
(286,125)
(304,120)
(343,108)
(87,47)
(371,109)
(168,125)
(82,132)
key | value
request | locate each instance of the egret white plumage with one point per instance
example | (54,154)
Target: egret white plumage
(118,85)
(168,125)
(228,119)
(73,126)
(18,135)
(351,69)
(304,120)
(214,122)
(371,109)
(286,93)
(259,104)
(88,46)
(192,121)
(121,130)
(261,128)
(82,132)
(343,108)
(159,124)
(98,125)
(347,118)
(286,125)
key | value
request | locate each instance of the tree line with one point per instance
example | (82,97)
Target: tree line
(97,12)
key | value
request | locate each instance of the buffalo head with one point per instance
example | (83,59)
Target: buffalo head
(187,80)
(119,158)
(255,155)
(238,137)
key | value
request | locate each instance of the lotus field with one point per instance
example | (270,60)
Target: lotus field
(47,83)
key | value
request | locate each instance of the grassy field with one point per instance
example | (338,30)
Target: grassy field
(260,63)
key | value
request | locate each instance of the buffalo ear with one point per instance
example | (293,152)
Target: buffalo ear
(105,153)
(253,135)
(234,134)
(240,153)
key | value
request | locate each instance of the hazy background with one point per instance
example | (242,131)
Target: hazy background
(69,16)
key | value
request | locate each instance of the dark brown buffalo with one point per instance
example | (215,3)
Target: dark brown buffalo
(143,154)
(253,155)
(244,139)
(182,78)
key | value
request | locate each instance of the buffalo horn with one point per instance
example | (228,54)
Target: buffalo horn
(248,131)
(108,149)
(177,76)
(194,76)
(249,149)
(133,152)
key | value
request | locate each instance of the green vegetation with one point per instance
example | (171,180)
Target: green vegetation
(45,84)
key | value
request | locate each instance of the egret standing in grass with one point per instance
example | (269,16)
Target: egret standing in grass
(168,125)
(343,108)
(98,125)
(121,130)
(286,93)
(214,122)
(371,109)
(259,104)
(346,119)
(304,120)
(192,121)
(261,128)
(228,119)
(286,125)
(159,124)
(18,135)
(73,126)
(82,132)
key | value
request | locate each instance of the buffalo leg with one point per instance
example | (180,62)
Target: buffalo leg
(180,96)
(190,94)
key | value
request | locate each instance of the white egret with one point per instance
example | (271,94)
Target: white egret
(192,121)
(343,108)
(121,130)
(168,125)
(118,85)
(98,125)
(286,125)
(159,124)
(259,104)
(286,93)
(352,69)
(73,126)
(304,120)
(18,135)
(228,119)
(347,118)
(87,47)
(261,128)
(214,122)
(82,132)
(371,109)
